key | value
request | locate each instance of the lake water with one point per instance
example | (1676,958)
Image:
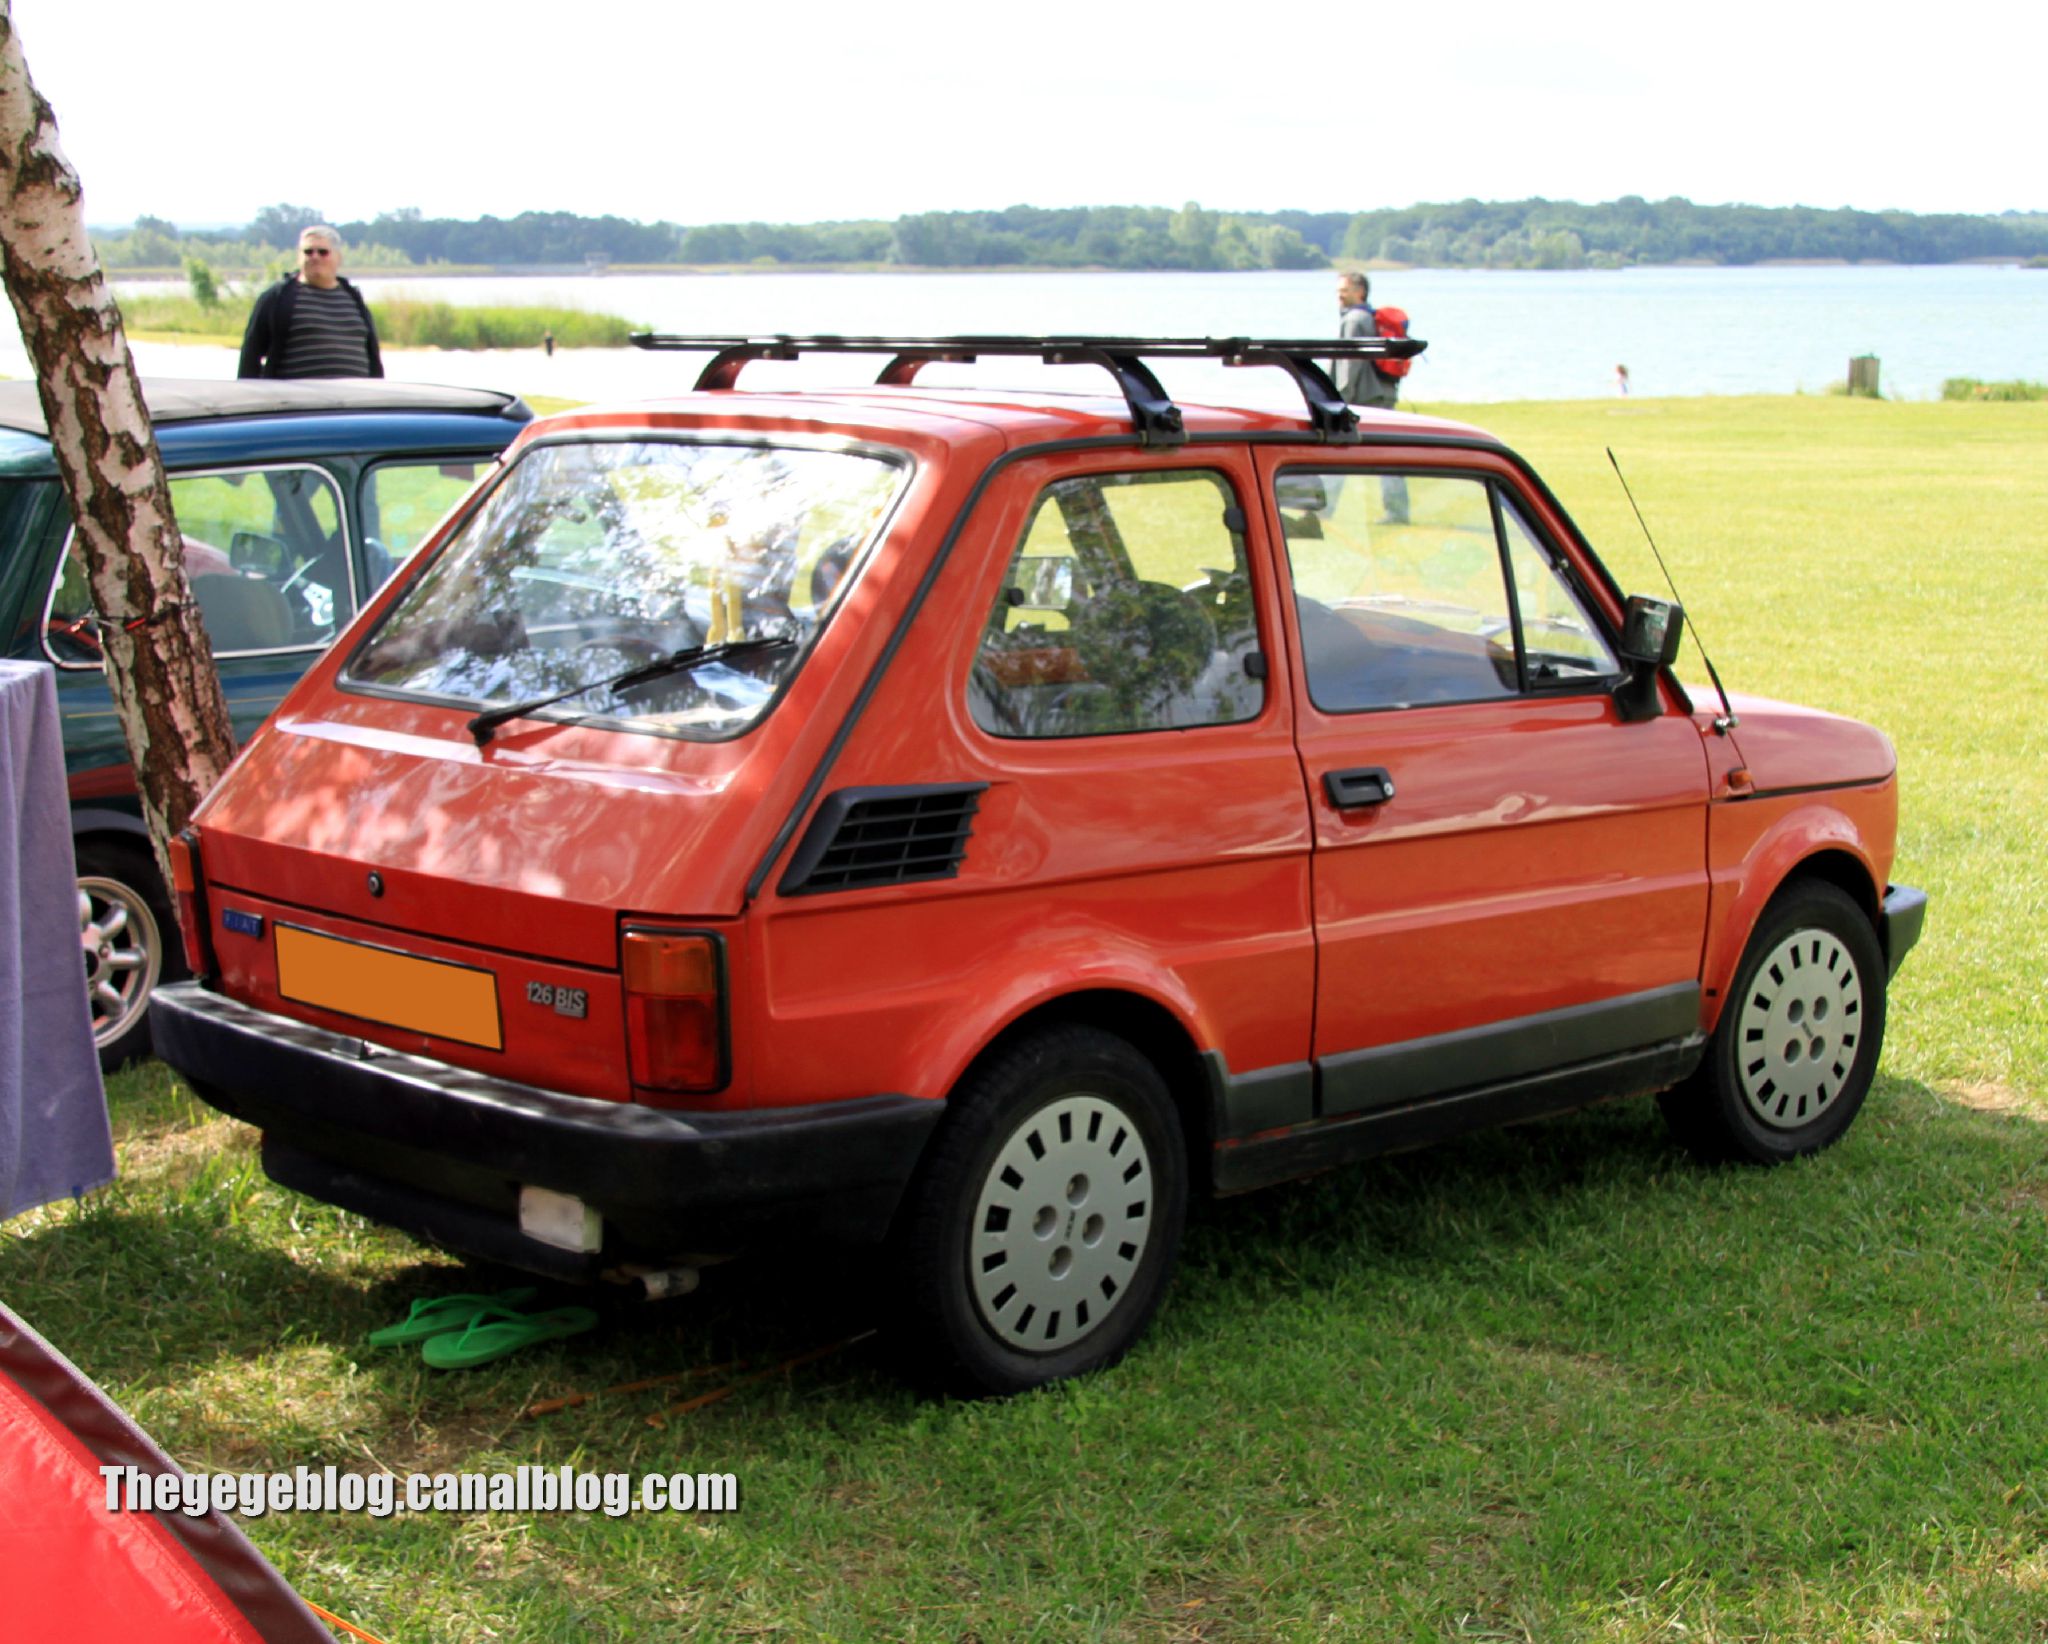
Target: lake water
(1493,335)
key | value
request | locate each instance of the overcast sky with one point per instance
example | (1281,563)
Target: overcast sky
(203,111)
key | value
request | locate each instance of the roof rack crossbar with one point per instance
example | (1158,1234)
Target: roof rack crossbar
(1327,412)
(723,371)
(1154,415)
(902,371)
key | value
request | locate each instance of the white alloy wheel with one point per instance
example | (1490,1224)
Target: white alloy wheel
(124,952)
(1063,1223)
(1799,1028)
(1795,1051)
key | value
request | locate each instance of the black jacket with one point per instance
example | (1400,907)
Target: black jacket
(270,325)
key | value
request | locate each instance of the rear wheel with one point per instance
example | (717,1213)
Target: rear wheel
(1796,1048)
(1045,1224)
(126,932)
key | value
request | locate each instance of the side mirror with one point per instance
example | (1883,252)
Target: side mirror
(1650,632)
(257,553)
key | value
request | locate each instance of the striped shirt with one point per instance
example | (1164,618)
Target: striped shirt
(328,337)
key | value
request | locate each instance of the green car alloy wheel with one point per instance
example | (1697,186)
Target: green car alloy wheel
(128,940)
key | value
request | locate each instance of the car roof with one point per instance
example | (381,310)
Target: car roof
(201,422)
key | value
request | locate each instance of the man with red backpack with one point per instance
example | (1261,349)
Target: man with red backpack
(1375,384)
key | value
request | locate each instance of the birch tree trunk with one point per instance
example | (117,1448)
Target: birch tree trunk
(159,667)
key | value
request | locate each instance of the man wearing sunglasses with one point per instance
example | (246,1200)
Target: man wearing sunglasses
(312,323)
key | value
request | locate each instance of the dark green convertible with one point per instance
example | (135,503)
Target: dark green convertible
(296,500)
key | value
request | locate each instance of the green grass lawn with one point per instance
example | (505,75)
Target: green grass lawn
(1556,1383)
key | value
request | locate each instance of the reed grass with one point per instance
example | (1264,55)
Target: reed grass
(402,322)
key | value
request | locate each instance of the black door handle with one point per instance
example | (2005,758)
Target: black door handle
(1367,785)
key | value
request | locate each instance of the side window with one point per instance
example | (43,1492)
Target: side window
(1559,640)
(1396,613)
(68,634)
(265,553)
(1127,606)
(402,502)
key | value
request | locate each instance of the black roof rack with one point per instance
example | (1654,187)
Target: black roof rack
(1155,416)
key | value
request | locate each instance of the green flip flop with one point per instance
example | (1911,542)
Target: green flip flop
(498,1332)
(432,1316)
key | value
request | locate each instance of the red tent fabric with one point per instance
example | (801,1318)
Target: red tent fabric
(74,1572)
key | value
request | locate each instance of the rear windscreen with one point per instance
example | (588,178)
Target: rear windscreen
(594,560)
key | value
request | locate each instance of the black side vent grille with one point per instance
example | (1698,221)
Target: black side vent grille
(884,836)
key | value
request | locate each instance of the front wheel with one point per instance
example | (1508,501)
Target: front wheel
(1045,1224)
(1796,1048)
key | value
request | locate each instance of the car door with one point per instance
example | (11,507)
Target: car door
(1125,709)
(1507,877)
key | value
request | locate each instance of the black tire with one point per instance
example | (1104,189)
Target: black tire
(1796,1048)
(130,943)
(1043,1226)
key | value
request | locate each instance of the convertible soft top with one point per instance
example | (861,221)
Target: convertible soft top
(197,399)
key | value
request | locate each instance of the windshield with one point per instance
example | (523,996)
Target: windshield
(591,560)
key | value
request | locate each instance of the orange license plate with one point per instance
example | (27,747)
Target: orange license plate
(434,996)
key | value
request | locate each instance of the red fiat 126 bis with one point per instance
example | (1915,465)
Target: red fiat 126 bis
(973,821)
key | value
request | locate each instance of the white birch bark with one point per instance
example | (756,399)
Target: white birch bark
(159,667)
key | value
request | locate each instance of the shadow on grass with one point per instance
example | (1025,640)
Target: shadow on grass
(1445,1216)
(1414,1208)
(1495,1186)
(140,1289)
(1605,1196)
(142,1292)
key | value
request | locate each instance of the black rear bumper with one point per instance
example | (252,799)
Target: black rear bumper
(443,1153)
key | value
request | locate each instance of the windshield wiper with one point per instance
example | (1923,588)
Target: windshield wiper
(691,656)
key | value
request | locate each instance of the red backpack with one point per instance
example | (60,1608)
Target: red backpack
(1391,322)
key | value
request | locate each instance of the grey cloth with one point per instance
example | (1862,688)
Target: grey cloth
(54,1140)
(1357,381)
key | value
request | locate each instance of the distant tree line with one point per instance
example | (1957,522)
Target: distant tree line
(1463,234)
(531,237)
(1133,237)
(1565,234)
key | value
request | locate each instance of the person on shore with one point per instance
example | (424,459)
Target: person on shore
(1621,380)
(547,341)
(1362,383)
(312,323)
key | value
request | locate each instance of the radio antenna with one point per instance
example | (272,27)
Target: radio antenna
(1727,720)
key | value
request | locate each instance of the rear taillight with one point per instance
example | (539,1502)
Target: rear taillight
(189,893)
(675,1010)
